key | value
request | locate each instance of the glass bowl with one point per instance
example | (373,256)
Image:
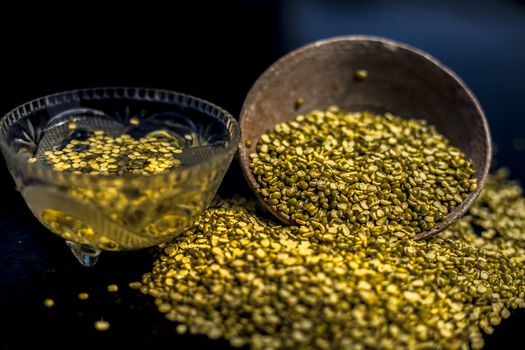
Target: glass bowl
(112,212)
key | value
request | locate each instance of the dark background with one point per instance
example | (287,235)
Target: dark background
(214,50)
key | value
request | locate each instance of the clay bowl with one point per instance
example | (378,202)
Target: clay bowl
(401,80)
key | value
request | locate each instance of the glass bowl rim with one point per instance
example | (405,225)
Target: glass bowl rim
(177,99)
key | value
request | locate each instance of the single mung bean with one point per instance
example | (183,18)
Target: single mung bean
(102,325)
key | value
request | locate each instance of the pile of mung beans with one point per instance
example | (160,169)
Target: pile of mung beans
(348,273)
(361,168)
(238,275)
(104,154)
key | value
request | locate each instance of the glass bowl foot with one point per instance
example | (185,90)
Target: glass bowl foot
(86,255)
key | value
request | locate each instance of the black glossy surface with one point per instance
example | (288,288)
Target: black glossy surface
(214,51)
